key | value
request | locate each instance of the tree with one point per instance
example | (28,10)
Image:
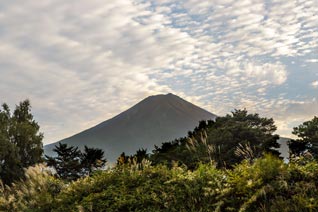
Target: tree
(307,141)
(10,165)
(92,158)
(223,141)
(122,159)
(25,135)
(239,129)
(20,141)
(140,155)
(71,164)
(170,152)
(67,163)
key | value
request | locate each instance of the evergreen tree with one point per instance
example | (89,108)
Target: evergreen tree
(307,141)
(140,155)
(225,137)
(239,129)
(92,158)
(71,164)
(67,163)
(122,159)
(25,135)
(20,141)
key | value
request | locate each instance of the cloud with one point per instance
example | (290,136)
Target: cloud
(314,84)
(81,62)
(77,60)
(312,60)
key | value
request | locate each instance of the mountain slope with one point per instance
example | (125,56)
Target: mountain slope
(152,121)
(283,149)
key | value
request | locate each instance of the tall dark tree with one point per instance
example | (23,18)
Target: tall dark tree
(307,141)
(25,135)
(67,163)
(71,164)
(20,141)
(140,155)
(9,161)
(10,164)
(122,159)
(224,137)
(92,159)
(238,129)
(171,152)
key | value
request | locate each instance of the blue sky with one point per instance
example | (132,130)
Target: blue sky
(81,62)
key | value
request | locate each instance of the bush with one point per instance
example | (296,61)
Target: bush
(149,188)
(36,193)
(266,184)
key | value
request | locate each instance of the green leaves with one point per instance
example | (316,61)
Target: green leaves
(227,141)
(308,139)
(266,184)
(71,164)
(20,141)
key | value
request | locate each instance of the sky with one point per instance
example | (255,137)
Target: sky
(82,62)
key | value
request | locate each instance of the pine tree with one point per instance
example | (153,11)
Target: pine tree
(92,159)
(67,163)
(224,136)
(307,141)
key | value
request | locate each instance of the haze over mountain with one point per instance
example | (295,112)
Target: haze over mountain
(152,121)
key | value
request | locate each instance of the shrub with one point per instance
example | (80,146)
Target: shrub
(36,193)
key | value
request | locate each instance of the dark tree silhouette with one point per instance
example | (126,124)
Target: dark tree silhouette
(67,163)
(140,155)
(307,133)
(241,129)
(92,159)
(224,136)
(122,159)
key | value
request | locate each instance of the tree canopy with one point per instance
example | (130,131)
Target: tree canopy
(20,141)
(307,141)
(221,140)
(71,164)
(240,128)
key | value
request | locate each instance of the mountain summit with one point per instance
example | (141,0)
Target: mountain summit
(150,122)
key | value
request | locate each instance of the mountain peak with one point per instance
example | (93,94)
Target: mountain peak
(156,119)
(168,95)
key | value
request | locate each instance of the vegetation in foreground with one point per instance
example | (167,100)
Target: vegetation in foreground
(224,165)
(267,184)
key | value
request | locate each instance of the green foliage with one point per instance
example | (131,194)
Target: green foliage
(241,128)
(35,194)
(20,141)
(141,155)
(223,165)
(265,184)
(308,139)
(25,135)
(249,185)
(138,157)
(92,159)
(170,152)
(67,162)
(270,185)
(71,164)
(132,188)
(228,140)
(123,159)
